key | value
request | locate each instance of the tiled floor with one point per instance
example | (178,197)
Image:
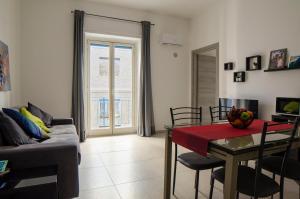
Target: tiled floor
(131,167)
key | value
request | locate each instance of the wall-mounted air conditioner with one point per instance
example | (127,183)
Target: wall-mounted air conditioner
(170,39)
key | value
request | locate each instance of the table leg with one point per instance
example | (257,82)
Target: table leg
(231,171)
(168,166)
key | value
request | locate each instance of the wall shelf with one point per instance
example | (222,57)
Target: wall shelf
(253,63)
(239,76)
(283,69)
(228,66)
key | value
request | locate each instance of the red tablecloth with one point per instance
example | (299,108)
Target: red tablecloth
(196,138)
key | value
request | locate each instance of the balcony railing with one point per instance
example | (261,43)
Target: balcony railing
(100,110)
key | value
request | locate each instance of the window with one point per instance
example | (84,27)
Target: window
(111,89)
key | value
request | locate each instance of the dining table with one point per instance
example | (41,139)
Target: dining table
(234,147)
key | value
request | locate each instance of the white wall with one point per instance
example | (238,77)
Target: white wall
(246,28)
(10,34)
(47,46)
(270,28)
(242,28)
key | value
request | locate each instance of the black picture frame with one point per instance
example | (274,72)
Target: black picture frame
(294,62)
(239,76)
(253,63)
(228,66)
(278,59)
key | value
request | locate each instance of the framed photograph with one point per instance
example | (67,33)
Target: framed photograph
(239,76)
(4,68)
(294,62)
(253,63)
(278,59)
(228,66)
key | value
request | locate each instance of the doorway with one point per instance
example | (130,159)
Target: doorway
(111,87)
(205,79)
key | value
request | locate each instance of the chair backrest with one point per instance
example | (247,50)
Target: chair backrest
(218,113)
(262,148)
(186,116)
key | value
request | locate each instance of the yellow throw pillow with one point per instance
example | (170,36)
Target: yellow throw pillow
(34,119)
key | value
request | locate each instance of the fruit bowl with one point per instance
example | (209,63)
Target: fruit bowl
(240,118)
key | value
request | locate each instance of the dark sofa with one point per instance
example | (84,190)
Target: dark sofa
(59,154)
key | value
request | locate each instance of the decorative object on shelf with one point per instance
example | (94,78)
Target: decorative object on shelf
(4,68)
(294,62)
(240,118)
(278,59)
(3,164)
(228,66)
(3,172)
(239,76)
(253,63)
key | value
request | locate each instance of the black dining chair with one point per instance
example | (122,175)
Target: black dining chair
(273,164)
(253,182)
(183,116)
(218,113)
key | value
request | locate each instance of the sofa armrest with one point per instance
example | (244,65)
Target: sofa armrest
(62,121)
(62,155)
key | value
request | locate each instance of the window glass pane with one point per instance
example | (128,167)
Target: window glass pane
(123,67)
(99,86)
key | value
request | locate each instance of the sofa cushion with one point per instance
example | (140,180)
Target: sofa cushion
(44,116)
(34,119)
(12,133)
(28,126)
(64,134)
(62,138)
(63,129)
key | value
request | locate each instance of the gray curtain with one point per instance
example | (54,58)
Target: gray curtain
(77,91)
(146,125)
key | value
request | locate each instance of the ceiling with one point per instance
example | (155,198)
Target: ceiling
(181,8)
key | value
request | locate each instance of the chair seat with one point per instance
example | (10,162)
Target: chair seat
(246,179)
(273,164)
(195,161)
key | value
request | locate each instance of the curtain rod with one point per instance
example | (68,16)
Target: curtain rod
(115,18)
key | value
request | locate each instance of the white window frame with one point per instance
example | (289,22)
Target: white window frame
(112,41)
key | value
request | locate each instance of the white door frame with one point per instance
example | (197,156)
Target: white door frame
(194,73)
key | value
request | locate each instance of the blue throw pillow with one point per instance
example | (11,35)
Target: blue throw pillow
(12,133)
(28,126)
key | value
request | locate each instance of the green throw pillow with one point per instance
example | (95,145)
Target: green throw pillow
(34,119)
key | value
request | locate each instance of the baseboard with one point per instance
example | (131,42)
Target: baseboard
(161,131)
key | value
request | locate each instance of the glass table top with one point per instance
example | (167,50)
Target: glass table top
(249,142)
